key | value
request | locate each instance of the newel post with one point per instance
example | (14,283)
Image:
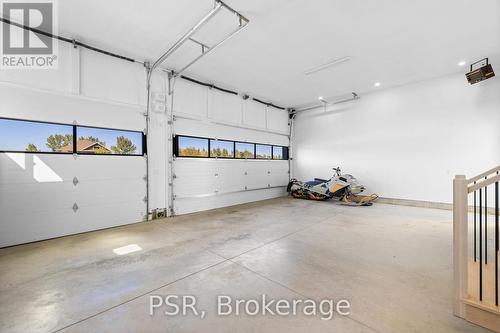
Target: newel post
(460,247)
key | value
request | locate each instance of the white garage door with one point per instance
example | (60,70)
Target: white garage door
(51,192)
(229,123)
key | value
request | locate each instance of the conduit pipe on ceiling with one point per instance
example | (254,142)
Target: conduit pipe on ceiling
(205,49)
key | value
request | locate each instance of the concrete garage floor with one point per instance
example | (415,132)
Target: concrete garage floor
(392,263)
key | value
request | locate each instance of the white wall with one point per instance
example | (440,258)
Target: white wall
(407,142)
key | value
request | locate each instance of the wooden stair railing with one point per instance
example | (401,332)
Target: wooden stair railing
(476,276)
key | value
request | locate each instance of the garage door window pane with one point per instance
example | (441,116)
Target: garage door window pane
(102,141)
(245,150)
(193,147)
(263,151)
(221,148)
(277,153)
(29,136)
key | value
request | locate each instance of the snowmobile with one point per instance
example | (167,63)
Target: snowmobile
(342,187)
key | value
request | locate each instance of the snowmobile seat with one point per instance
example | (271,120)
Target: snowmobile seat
(320,180)
(314,182)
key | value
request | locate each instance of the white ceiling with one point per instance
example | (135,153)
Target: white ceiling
(390,41)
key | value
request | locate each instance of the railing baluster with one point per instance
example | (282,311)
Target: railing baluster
(475,237)
(486,224)
(496,243)
(480,244)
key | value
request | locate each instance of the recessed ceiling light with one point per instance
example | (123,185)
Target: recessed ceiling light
(320,98)
(377,84)
(461,63)
(327,65)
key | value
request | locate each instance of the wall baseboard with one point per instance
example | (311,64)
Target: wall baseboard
(416,203)
(425,204)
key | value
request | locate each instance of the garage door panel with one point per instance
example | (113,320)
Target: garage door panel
(22,103)
(279,179)
(258,176)
(195,185)
(279,166)
(190,98)
(104,215)
(225,107)
(194,177)
(185,206)
(232,176)
(27,226)
(211,130)
(111,191)
(21,168)
(279,173)
(254,114)
(117,81)
(36,197)
(38,193)
(277,119)
(109,167)
(196,188)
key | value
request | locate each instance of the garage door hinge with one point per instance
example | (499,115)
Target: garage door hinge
(174,176)
(145,178)
(75,207)
(145,199)
(75,181)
